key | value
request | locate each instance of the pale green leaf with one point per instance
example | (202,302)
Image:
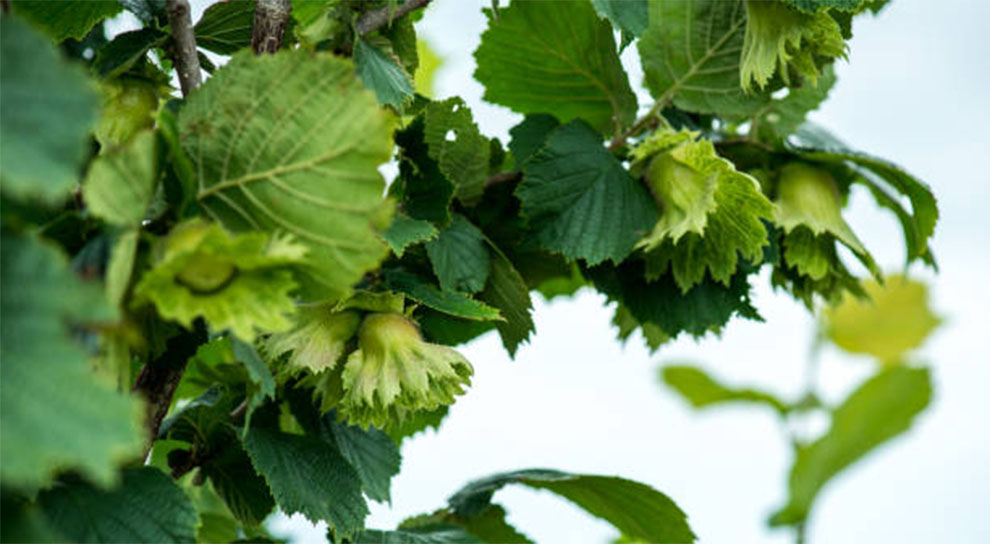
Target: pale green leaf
(880,409)
(265,160)
(813,6)
(439,534)
(48,109)
(690,55)
(557,58)
(458,147)
(121,266)
(406,231)
(317,340)
(309,476)
(459,257)
(120,184)
(635,509)
(781,118)
(712,215)
(894,320)
(147,507)
(780,39)
(702,391)
(128,107)
(580,200)
(449,302)
(382,72)
(65,18)
(54,413)
(241,282)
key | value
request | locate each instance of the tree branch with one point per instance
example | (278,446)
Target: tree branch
(377,18)
(186,57)
(271,17)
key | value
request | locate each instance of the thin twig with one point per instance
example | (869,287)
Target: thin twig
(379,17)
(271,17)
(503,177)
(186,57)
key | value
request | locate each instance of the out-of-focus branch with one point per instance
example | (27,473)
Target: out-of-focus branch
(186,57)
(271,17)
(377,18)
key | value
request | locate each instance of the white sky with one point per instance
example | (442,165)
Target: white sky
(574,399)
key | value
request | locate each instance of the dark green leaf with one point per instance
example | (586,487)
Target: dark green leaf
(310,476)
(145,10)
(406,231)
(48,111)
(690,56)
(417,423)
(236,482)
(457,145)
(557,58)
(629,16)
(371,452)
(780,118)
(448,302)
(426,192)
(63,19)
(490,526)
(702,391)
(147,507)
(635,509)
(440,328)
(530,135)
(225,27)
(382,72)
(459,257)
(814,6)
(579,199)
(507,291)
(125,50)
(880,409)
(435,535)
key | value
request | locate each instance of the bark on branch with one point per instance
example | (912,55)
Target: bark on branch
(271,17)
(377,18)
(186,56)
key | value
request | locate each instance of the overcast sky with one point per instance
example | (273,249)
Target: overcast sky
(914,91)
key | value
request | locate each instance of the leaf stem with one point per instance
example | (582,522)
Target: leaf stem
(271,18)
(186,55)
(377,18)
(651,116)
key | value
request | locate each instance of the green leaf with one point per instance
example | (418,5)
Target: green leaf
(121,266)
(702,391)
(48,111)
(394,372)
(780,40)
(54,413)
(382,72)
(635,509)
(371,452)
(690,56)
(881,177)
(490,526)
(457,145)
(813,6)
(406,231)
(459,257)
(145,10)
(129,106)
(895,319)
(706,307)
(530,135)
(880,409)
(712,214)
(23,521)
(557,58)
(225,27)
(65,18)
(781,118)
(440,534)
(417,423)
(262,384)
(309,476)
(426,193)
(441,328)
(448,302)
(241,283)
(236,482)
(579,199)
(507,291)
(126,49)
(262,164)
(629,16)
(147,507)
(120,184)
